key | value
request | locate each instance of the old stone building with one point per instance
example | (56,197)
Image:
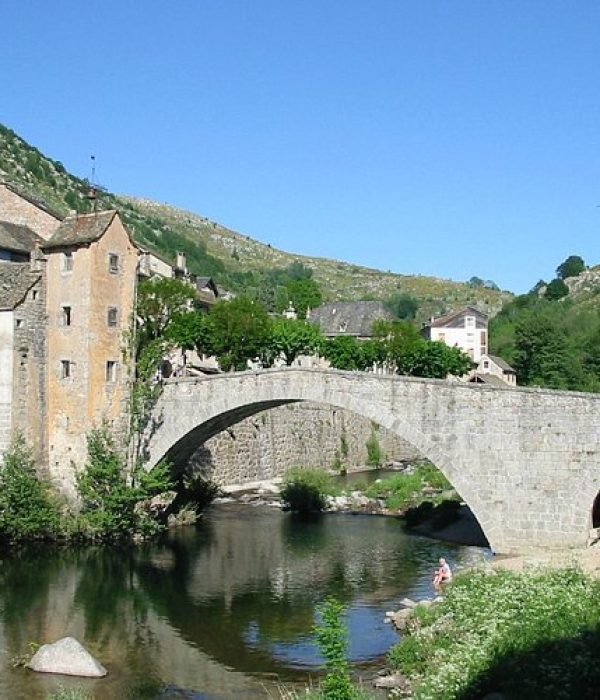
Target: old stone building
(349,318)
(23,355)
(91,266)
(19,207)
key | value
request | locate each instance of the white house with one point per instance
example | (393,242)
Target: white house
(466,329)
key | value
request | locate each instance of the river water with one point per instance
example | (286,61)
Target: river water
(222,610)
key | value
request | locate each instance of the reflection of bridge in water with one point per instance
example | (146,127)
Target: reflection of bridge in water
(525,460)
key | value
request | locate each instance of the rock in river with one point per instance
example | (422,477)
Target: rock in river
(68,657)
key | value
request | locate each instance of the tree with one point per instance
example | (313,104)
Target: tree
(27,509)
(304,293)
(571,267)
(343,352)
(402,305)
(434,359)
(557,289)
(240,330)
(190,331)
(541,352)
(290,338)
(158,302)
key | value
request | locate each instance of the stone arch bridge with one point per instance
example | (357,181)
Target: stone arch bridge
(526,461)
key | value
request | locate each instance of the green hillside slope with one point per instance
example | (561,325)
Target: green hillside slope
(237,262)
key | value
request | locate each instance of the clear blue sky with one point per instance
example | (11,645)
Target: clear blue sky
(443,138)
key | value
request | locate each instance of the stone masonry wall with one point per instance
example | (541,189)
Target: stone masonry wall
(269,443)
(18,210)
(29,370)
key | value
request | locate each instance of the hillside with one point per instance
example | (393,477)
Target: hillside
(237,262)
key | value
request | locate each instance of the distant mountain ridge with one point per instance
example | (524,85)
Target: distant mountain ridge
(235,261)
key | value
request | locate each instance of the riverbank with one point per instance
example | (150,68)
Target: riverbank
(534,634)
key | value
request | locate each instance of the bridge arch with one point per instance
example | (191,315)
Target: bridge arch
(521,459)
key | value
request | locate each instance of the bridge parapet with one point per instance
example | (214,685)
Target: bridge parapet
(525,460)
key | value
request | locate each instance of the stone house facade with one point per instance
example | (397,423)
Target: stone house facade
(466,329)
(23,359)
(91,278)
(18,207)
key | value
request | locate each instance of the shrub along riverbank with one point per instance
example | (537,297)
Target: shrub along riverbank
(306,490)
(113,502)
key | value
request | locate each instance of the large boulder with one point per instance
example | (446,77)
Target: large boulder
(68,657)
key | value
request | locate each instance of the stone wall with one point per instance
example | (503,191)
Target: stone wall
(29,371)
(19,210)
(305,434)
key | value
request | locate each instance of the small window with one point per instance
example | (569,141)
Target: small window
(19,323)
(111,371)
(34,294)
(68,260)
(66,316)
(113,263)
(470,321)
(112,317)
(486,364)
(66,369)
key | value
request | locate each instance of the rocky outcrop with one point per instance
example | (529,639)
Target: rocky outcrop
(67,657)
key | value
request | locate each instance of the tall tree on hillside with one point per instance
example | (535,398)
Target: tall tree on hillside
(571,267)
(541,352)
(402,305)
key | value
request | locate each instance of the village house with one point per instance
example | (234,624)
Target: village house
(466,329)
(23,355)
(349,318)
(492,370)
(67,294)
(91,265)
(19,207)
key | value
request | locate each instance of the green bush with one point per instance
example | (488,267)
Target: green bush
(27,508)
(374,452)
(332,640)
(305,490)
(109,498)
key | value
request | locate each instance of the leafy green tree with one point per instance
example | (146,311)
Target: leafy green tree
(109,497)
(571,267)
(190,331)
(27,508)
(343,352)
(557,289)
(240,331)
(434,359)
(290,338)
(158,302)
(402,305)
(541,354)
(302,293)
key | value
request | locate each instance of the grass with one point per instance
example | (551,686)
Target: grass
(403,490)
(534,635)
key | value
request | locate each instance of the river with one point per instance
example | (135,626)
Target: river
(222,610)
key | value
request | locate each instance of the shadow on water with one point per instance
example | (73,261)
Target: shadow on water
(565,668)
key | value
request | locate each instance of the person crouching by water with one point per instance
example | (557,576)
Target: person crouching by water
(443,574)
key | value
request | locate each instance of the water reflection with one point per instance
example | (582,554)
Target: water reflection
(222,609)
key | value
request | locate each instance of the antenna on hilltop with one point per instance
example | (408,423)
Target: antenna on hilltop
(93,186)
